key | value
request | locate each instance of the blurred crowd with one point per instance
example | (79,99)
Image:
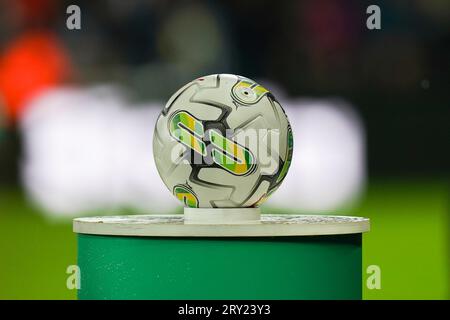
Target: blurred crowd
(307,46)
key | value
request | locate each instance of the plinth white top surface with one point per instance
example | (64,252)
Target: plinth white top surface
(174,226)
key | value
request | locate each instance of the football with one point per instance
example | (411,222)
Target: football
(222,141)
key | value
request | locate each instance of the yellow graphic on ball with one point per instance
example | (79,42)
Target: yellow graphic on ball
(229,155)
(190,131)
(248,92)
(186,195)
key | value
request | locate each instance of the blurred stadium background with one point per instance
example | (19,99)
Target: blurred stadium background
(369,110)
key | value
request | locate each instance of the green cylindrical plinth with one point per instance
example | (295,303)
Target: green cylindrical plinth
(130,258)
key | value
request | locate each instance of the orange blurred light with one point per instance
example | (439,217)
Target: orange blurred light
(32,63)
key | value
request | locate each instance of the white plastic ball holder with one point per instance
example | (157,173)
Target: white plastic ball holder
(222,215)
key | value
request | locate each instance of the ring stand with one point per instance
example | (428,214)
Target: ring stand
(222,215)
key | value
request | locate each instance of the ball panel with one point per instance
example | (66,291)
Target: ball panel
(210,193)
(241,186)
(258,195)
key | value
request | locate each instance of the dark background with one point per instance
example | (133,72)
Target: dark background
(397,77)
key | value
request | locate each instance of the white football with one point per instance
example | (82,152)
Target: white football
(222,141)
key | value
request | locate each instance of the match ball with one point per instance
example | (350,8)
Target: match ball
(222,141)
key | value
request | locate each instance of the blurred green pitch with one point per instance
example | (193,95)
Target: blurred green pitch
(409,241)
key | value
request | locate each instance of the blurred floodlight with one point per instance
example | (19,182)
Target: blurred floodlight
(31,64)
(84,150)
(328,165)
